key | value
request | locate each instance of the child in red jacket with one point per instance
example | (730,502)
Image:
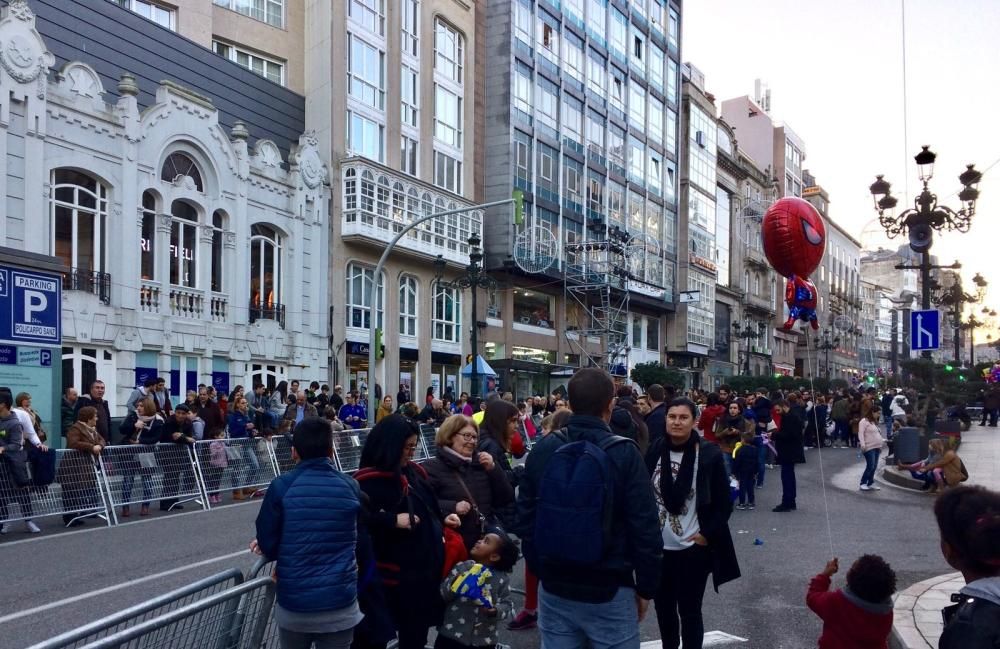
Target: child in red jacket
(858,616)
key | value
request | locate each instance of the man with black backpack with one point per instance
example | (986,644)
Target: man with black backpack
(589,525)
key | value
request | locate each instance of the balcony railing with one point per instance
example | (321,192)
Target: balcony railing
(272,311)
(186,303)
(88,281)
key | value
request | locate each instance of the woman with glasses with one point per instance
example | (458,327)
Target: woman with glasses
(469,484)
(406,527)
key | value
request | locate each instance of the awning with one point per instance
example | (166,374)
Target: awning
(482,368)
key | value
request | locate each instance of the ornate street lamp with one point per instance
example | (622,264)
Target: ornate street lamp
(955,298)
(926,216)
(475,277)
(827,342)
(747,333)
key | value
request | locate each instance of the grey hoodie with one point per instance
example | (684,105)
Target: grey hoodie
(987,588)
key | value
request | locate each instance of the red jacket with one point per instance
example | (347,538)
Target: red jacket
(706,423)
(848,621)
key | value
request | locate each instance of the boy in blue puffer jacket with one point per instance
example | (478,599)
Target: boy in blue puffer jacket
(308,523)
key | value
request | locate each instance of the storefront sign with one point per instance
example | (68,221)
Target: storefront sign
(25,357)
(701,262)
(30,307)
(358,349)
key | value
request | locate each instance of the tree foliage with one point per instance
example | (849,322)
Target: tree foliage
(646,374)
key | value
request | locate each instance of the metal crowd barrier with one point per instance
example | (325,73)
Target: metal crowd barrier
(165,472)
(75,492)
(144,611)
(235,618)
(234,464)
(347,445)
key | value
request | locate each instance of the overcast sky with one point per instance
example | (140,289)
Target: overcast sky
(835,70)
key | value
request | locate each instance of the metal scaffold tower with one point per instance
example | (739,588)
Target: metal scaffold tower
(595,276)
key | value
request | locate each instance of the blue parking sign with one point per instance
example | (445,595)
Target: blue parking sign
(30,307)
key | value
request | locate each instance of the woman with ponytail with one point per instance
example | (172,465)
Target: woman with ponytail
(969,520)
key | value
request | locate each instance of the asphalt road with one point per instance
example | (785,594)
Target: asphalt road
(61,580)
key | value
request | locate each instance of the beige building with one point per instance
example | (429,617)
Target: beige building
(391,90)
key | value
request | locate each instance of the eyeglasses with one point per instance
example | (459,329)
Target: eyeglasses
(469,437)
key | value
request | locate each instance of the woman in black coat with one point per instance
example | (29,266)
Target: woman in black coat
(495,434)
(405,524)
(467,483)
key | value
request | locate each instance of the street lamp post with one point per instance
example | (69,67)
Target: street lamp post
(955,298)
(473,279)
(827,343)
(927,216)
(377,275)
(972,324)
(747,333)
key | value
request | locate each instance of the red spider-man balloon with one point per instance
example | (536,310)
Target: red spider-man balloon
(794,242)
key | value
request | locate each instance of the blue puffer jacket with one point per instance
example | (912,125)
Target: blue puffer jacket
(308,524)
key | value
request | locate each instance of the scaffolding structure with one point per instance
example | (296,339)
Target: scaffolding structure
(595,280)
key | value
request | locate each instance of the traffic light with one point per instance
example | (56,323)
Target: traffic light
(518,197)
(379,347)
(948,368)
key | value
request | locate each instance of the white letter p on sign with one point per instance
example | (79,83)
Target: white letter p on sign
(34,302)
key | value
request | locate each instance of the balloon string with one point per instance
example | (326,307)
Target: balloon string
(819,443)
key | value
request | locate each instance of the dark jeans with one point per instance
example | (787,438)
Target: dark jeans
(747,490)
(842,430)
(678,603)
(788,485)
(871,463)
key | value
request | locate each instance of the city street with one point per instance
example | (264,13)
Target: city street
(70,578)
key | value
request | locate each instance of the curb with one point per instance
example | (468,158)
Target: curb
(911,617)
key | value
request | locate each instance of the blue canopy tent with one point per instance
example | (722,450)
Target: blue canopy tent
(482,368)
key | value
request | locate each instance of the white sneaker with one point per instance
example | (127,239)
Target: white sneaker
(31,528)
(4,528)
(865,487)
(874,487)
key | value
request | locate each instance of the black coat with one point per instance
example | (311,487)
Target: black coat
(488,491)
(507,513)
(745,462)
(714,505)
(408,560)
(656,421)
(788,440)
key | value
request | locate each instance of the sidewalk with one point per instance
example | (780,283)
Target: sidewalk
(917,620)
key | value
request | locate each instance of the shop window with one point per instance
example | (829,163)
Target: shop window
(183,244)
(533,308)
(265,267)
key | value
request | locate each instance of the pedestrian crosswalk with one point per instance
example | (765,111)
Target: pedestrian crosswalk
(712,639)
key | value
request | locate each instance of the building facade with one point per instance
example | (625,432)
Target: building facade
(194,238)
(582,100)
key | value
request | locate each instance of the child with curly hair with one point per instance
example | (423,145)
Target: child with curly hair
(858,616)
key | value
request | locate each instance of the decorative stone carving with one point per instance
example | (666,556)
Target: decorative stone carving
(128,340)
(240,131)
(185,182)
(309,161)
(128,86)
(23,54)
(229,239)
(267,154)
(82,80)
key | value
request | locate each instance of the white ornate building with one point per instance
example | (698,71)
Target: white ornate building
(195,256)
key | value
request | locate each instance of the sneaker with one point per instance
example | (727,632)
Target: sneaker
(523,621)
(4,528)
(31,528)
(751,507)
(865,487)
(741,506)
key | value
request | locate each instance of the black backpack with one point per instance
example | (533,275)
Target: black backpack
(971,623)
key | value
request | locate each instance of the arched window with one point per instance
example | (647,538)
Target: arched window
(265,267)
(218,225)
(746,280)
(774,291)
(447,315)
(407,305)
(183,245)
(756,283)
(147,243)
(79,220)
(359,293)
(181,164)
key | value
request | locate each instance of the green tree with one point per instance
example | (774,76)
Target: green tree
(646,374)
